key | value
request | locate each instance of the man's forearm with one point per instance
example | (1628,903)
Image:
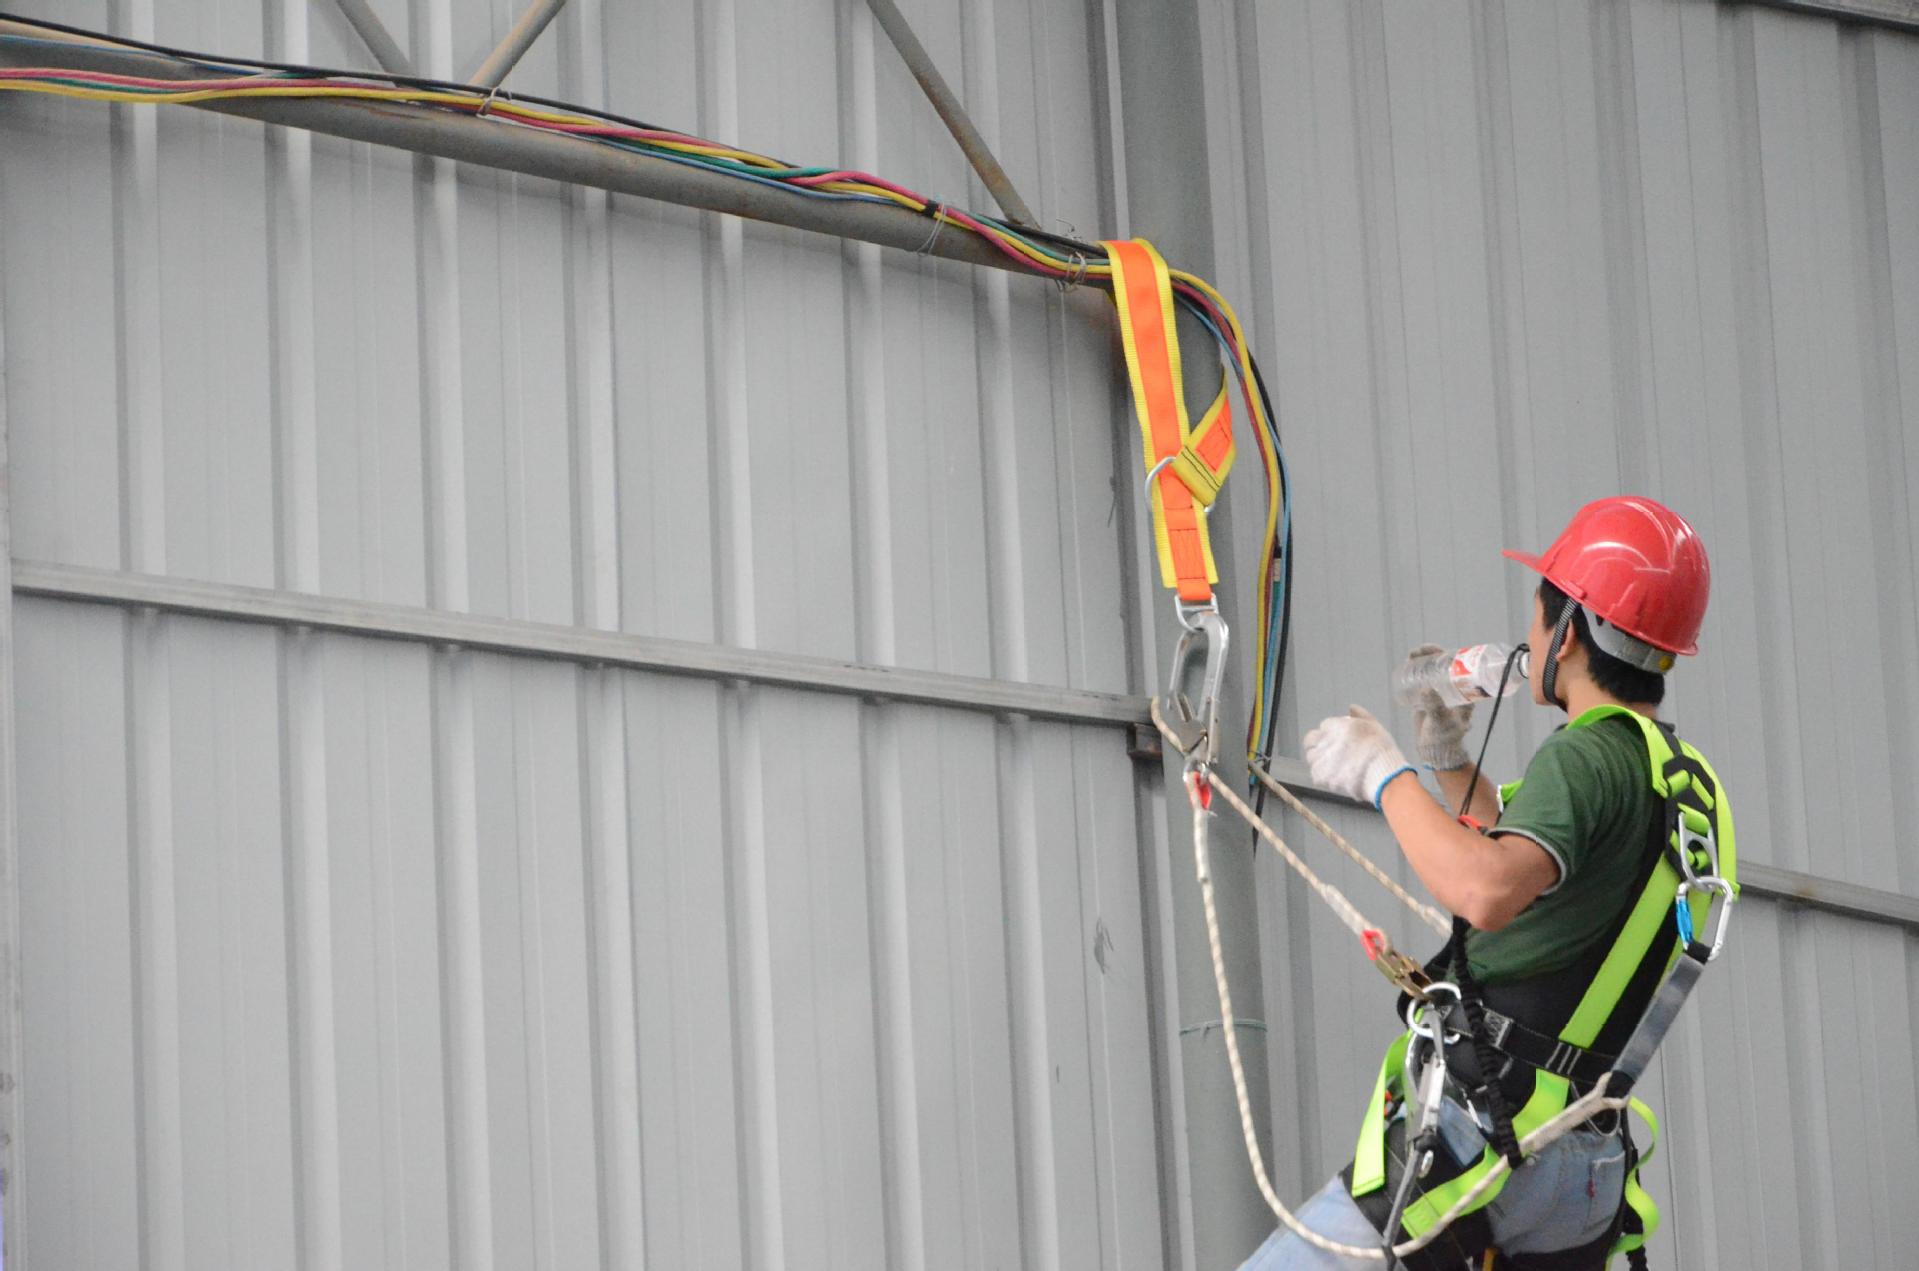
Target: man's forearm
(1486,881)
(1452,787)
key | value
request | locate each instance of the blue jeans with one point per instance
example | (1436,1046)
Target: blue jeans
(1562,1198)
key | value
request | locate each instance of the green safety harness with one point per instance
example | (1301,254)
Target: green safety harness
(1557,1036)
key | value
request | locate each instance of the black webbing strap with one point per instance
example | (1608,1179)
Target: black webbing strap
(1696,792)
(1489,1095)
(1545,1052)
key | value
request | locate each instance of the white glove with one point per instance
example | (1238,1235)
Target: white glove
(1354,755)
(1439,730)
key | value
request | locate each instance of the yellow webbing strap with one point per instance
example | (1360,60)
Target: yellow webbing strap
(1196,459)
(1637,1198)
(1369,1159)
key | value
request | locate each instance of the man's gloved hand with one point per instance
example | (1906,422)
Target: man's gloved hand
(1354,755)
(1439,730)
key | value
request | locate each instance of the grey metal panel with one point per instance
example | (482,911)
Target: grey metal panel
(1514,256)
(431,958)
(428,958)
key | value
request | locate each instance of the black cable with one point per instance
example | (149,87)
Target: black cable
(1504,1140)
(213,62)
(1071,245)
(1285,550)
(1479,764)
(1263,746)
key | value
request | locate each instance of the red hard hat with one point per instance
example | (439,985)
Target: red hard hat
(1637,565)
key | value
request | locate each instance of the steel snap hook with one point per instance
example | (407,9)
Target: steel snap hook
(1196,728)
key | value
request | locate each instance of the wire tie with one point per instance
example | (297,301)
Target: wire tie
(487,101)
(1071,281)
(938,212)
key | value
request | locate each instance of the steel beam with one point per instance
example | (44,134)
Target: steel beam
(12,1148)
(947,103)
(1216,1215)
(373,33)
(1899,15)
(489,143)
(503,59)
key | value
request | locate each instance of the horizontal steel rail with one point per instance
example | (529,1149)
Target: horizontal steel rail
(753,666)
(571,644)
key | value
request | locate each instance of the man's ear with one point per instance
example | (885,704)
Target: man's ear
(1569,642)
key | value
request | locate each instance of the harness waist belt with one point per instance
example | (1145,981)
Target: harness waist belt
(1547,1053)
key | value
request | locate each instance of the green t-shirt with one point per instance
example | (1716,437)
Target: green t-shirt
(1588,800)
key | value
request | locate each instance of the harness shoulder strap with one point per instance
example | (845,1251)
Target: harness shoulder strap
(1185,466)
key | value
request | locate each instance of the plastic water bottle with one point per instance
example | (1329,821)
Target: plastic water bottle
(1460,676)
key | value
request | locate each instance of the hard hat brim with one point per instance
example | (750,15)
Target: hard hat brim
(1531,561)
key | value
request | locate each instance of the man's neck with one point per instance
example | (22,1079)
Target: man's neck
(1583,695)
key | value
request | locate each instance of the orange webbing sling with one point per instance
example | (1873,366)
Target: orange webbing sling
(1185,465)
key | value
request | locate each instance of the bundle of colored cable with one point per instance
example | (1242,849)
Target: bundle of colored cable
(1047,255)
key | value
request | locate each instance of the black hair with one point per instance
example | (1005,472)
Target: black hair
(1620,679)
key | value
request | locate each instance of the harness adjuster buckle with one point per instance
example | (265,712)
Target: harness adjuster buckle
(1563,1060)
(1498,1028)
(1409,976)
(1694,847)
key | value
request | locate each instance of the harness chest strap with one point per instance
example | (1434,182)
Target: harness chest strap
(1185,466)
(1699,822)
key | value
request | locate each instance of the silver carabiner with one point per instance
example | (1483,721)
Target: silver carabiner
(1718,915)
(1196,729)
(1418,1014)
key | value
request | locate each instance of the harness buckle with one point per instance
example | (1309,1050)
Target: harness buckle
(1718,912)
(1691,839)
(1425,1014)
(1196,731)
(1409,976)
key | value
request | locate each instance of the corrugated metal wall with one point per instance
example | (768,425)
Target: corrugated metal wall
(1508,257)
(343,952)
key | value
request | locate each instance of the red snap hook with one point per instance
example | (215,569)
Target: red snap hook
(1203,790)
(1375,941)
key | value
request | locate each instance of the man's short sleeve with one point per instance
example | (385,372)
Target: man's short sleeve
(1554,807)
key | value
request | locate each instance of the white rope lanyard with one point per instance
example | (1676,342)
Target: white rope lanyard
(1201,784)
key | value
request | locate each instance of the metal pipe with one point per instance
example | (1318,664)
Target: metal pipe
(471,139)
(954,115)
(1897,15)
(373,33)
(504,58)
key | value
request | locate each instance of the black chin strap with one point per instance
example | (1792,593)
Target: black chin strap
(1549,674)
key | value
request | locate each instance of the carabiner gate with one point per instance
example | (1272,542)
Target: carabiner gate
(1196,730)
(1718,914)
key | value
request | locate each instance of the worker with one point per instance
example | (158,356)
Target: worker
(1545,895)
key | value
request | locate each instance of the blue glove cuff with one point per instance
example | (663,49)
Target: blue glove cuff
(1390,778)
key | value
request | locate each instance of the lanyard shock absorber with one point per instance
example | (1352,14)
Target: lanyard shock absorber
(1185,467)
